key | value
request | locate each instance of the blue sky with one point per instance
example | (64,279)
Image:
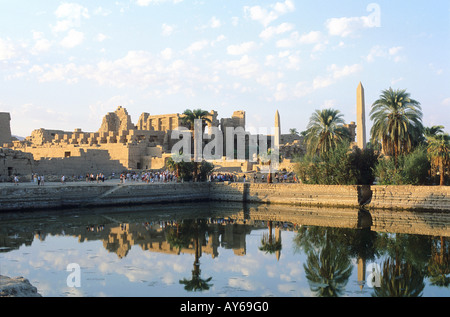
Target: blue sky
(64,65)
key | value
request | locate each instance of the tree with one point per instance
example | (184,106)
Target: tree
(325,131)
(432,131)
(189,117)
(439,151)
(397,122)
(293,131)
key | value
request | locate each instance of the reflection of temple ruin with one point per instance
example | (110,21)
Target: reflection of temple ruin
(153,238)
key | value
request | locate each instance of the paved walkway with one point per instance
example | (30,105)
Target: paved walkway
(71,183)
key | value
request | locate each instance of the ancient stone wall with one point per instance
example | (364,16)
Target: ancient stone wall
(410,197)
(413,198)
(28,196)
(5,128)
(15,163)
(293,194)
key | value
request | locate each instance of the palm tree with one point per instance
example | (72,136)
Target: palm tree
(325,131)
(439,151)
(432,131)
(189,117)
(397,122)
(293,131)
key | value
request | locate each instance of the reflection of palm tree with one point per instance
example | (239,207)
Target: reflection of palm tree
(439,266)
(196,283)
(399,279)
(177,238)
(267,242)
(328,271)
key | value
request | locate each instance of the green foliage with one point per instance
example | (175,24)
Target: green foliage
(339,166)
(363,163)
(397,122)
(204,170)
(416,167)
(411,169)
(331,168)
(386,172)
(189,117)
(325,131)
(186,169)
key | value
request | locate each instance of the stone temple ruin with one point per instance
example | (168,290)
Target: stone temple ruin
(120,145)
(117,146)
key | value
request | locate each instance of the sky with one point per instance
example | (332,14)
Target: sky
(66,64)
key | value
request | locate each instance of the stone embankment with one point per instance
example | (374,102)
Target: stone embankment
(55,195)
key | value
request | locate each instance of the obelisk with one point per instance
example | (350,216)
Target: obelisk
(360,118)
(277,130)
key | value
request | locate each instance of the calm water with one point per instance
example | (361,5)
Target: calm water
(222,250)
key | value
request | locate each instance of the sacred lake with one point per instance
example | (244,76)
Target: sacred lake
(227,249)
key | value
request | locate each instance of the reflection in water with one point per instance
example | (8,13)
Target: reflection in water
(160,251)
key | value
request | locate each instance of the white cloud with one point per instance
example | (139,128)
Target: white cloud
(245,67)
(266,16)
(167,29)
(391,53)
(215,22)
(70,16)
(144,3)
(284,7)
(446,101)
(158,74)
(345,27)
(295,38)
(197,46)
(241,49)
(311,37)
(102,11)
(41,44)
(338,72)
(322,82)
(167,53)
(64,73)
(285,60)
(101,37)
(396,80)
(219,39)
(73,38)
(7,50)
(271,31)
(395,50)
